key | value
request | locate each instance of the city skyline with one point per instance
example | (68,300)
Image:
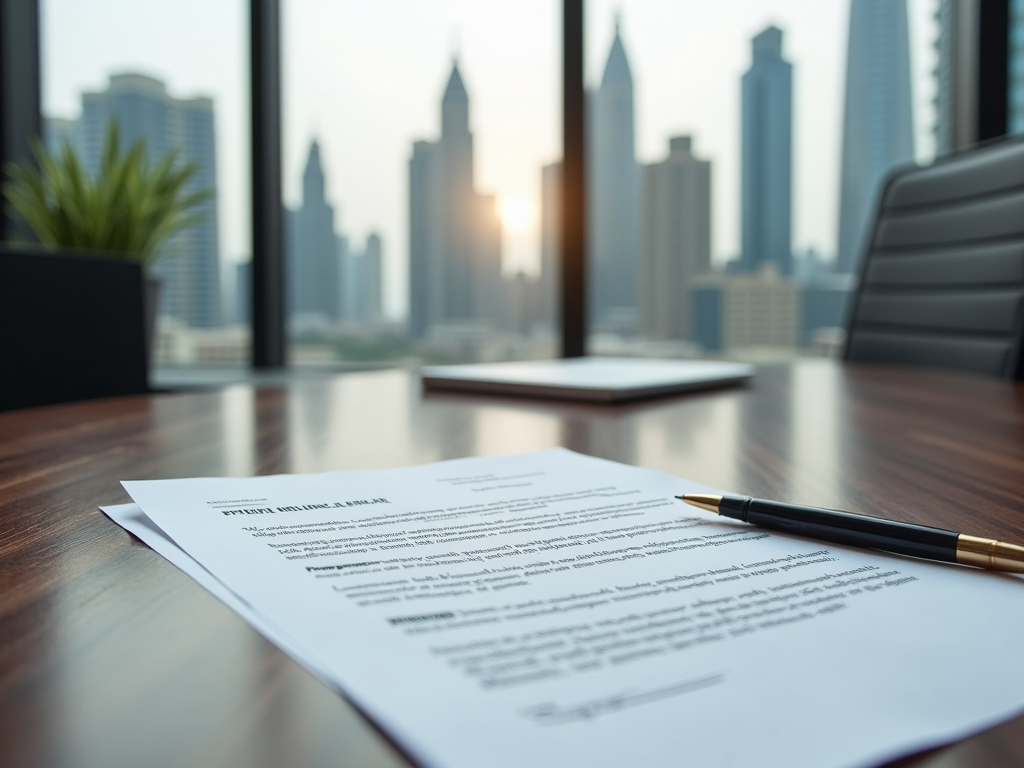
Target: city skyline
(457,291)
(687,66)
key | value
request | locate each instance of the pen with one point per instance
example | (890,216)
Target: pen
(866,531)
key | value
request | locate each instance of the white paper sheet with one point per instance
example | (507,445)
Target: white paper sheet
(134,520)
(553,609)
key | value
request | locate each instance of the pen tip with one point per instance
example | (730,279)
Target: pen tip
(702,500)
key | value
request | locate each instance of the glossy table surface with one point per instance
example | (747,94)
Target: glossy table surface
(111,657)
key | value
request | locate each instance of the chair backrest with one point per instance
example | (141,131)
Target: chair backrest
(942,282)
(71,328)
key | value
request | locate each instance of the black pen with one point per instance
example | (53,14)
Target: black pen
(866,531)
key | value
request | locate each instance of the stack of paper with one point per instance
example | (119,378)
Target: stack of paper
(553,609)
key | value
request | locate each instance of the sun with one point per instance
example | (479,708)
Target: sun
(516,213)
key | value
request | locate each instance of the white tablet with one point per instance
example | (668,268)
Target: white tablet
(593,379)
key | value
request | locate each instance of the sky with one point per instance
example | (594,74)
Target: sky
(365,79)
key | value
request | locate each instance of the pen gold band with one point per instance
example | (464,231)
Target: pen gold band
(989,553)
(702,500)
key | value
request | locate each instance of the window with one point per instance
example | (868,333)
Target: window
(174,75)
(735,151)
(416,135)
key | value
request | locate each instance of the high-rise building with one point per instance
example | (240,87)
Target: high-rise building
(373,279)
(878,130)
(313,258)
(525,313)
(766,156)
(190,267)
(348,281)
(676,239)
(745,311)
(614,199)
(362,280)
(550,244)
(454,232)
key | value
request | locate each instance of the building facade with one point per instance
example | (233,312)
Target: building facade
(454,232)
(614,199)
(550,245)
(313,258)
(190,261)
(363,280)
(766,156)
(676,239)
(372,309)
(748,311)
(878,130)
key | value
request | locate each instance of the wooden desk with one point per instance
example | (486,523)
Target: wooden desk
(111,657)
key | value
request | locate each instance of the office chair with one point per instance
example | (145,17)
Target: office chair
(942,282)
(71,328)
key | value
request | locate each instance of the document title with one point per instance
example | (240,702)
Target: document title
(302,507)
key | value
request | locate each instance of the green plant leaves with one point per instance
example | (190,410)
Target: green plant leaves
(131,207)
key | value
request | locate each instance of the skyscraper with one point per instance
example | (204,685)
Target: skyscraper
(143,109)
(550,244)
(362,280)
(614,200)
(676,237)
(766,156)
(878,130)
(454,232)
(373,279)
(313,257)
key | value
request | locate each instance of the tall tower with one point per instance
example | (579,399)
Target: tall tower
(190,267)
(676,239)
(878,129)
(614,215)
(456,200)
(550,244)
(313,249)
(373,279)
(454,232)
(422,248)
(767,139)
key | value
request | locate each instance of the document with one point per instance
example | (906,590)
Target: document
(134,520)
(553,609)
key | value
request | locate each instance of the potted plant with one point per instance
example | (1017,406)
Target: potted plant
(127,210)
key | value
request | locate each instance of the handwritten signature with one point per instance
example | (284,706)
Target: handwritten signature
(551,713)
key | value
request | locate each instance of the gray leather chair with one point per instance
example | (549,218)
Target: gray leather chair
(943,272)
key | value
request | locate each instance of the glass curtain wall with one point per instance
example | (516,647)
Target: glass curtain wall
(421,142)
(735,152)
(174,75)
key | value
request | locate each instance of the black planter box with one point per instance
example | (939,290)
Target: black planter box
(71,328)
